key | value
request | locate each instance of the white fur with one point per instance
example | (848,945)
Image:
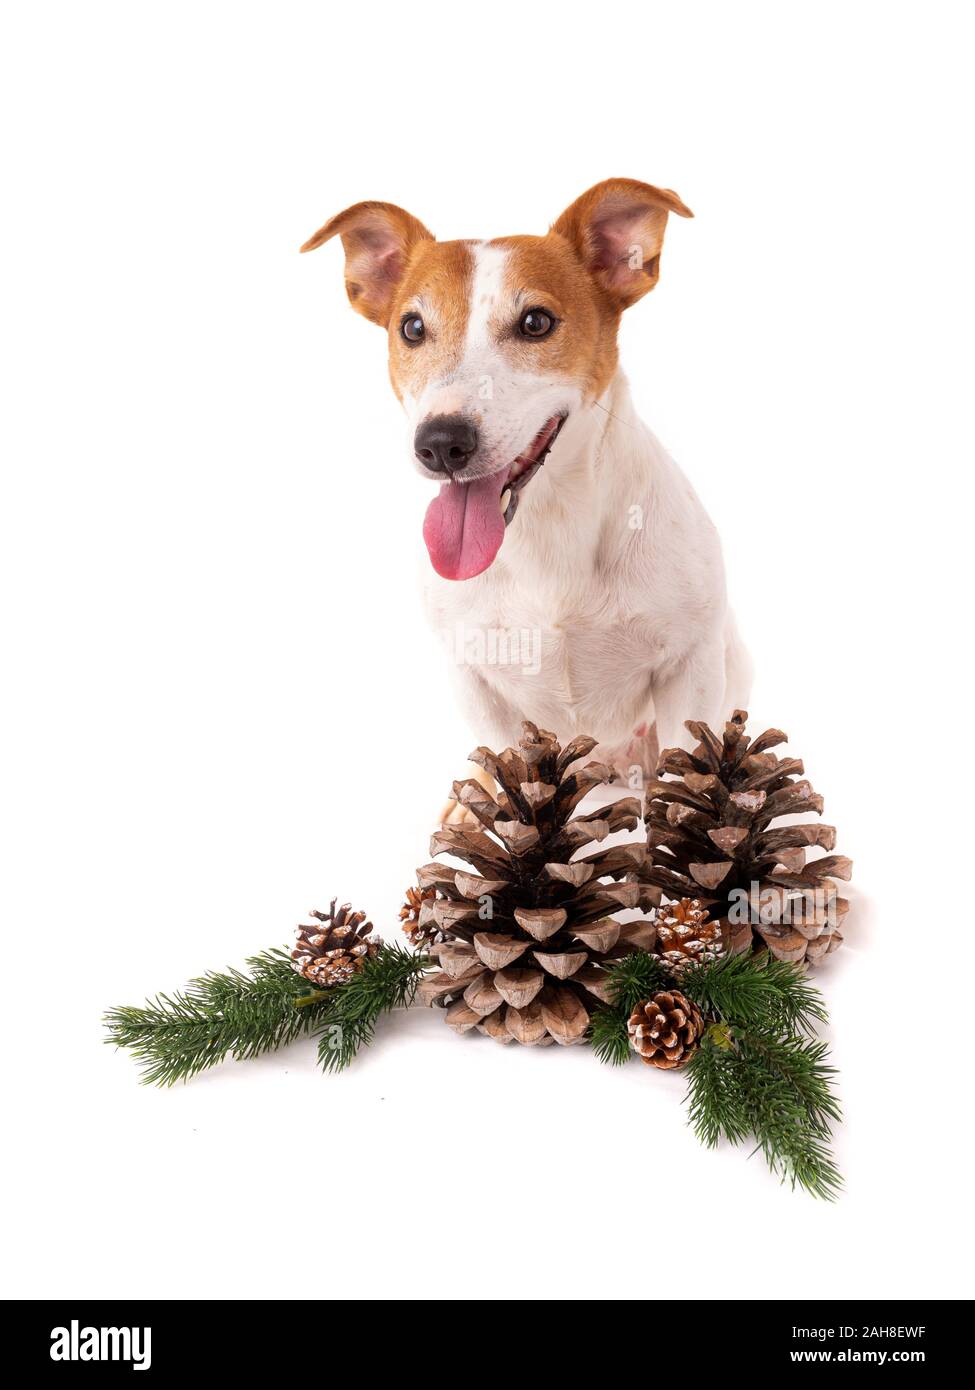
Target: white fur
(610,566)
(508,406)
(629,605)
(486,291)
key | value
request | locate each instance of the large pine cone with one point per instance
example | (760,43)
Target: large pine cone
(531,931)
(666,1029)
(710,836)
(332,948)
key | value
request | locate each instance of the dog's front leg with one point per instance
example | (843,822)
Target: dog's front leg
(695,690)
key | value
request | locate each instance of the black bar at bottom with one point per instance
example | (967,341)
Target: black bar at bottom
(301,1342)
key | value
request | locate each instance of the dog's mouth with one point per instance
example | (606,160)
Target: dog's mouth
(465,525)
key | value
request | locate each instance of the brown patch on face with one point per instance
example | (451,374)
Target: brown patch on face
(617,230)
(545,273)
(437,286)
(540,272)
(602,254)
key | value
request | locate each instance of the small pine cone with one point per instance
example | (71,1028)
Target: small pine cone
(334,947)
(685,936)
(419,934)
(666,1029)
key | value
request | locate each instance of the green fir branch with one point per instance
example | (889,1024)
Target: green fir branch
(776,1090)
(630,980)
(634,978)
(713,1098)
(609,1037)
(239,1015)
(799,1064)
(348,1021)
(756,992)
(219,1015)
(755,1074)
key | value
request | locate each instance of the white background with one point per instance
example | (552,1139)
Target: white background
(221,703)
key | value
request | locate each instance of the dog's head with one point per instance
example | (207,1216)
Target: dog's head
(492,345)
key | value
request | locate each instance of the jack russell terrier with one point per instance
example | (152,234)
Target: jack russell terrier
(504,356)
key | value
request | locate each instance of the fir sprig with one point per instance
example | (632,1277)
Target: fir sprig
(240,1015)
(756,992)
(777,1091)
(609,1037)
(219,1015)
(348,1020)
(755,1074)
(799,1064)
(635,977)
(713,1094)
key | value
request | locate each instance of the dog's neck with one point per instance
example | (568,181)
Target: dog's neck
(599,469)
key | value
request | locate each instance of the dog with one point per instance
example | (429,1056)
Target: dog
(558,515)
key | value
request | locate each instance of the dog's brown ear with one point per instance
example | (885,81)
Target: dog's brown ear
(617,228)
(378,239)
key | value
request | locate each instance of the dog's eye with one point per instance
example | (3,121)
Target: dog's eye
(412,328)
(536,323)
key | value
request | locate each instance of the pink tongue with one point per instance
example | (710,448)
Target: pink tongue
(464,528)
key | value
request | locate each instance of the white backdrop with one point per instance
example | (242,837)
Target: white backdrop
(221,705)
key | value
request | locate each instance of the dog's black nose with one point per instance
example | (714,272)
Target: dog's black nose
(445,443)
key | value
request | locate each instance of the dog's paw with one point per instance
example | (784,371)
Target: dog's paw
(453,813)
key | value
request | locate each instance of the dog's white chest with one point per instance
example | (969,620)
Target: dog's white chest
(609,583)
(583,670)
